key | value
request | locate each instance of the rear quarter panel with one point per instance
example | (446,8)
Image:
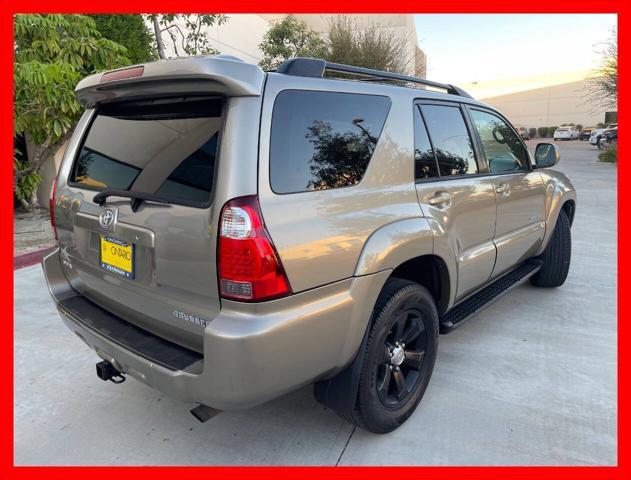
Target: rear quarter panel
(319,235)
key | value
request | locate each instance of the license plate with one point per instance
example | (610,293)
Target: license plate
(117,256)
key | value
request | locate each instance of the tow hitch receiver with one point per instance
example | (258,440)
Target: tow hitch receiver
(106,371)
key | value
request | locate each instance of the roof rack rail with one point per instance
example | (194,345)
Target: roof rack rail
(315,67)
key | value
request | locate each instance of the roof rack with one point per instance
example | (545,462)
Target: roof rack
(315,67)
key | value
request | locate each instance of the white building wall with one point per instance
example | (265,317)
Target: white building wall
(242,33)
(239,36)
(550,106)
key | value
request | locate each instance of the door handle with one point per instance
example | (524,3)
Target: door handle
(440,199)
(503,189)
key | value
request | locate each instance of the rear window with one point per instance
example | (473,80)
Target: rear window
(164,147)
(323,140)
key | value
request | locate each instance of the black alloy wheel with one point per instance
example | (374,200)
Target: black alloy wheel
(399,373)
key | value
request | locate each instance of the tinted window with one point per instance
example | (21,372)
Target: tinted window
(96,170)
(163,147)
(424,161)
(323,140)
(452,144)
(503,150)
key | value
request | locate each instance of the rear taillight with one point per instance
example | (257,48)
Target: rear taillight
(52,207)
(249,267)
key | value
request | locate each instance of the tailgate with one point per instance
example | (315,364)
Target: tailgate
(149,262)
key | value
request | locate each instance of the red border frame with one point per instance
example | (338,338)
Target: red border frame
(10,7)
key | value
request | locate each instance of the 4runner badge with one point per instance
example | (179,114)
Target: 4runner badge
(190,318)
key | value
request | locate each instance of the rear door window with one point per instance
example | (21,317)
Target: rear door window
(450,138)
(164,147)
(425,165)
(323,140)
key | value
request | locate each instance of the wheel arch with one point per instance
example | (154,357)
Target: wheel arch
(431,272)
(569,207)
(560,195)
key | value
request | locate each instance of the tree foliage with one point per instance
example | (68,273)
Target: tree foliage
(368,46)
(288,38)
(346,42)
(603,85)
(52,53)
(609,155)
(339,158)
(187,33)
(131,32)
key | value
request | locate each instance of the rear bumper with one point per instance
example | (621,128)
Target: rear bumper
(252,352)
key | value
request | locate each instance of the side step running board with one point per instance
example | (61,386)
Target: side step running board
(472,305)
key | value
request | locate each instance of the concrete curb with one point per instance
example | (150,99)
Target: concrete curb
(31,258)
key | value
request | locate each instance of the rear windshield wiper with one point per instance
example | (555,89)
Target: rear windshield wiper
(137,197)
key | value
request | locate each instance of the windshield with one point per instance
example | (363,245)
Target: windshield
(163,147)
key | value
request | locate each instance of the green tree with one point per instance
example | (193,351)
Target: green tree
(129,31)
(288,38)
(369,46)
(187,33)
(52,53)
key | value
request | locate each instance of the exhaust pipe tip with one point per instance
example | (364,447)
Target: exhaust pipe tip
(106,371)
(203,413)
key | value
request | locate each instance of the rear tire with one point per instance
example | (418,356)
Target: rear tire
(398,357)
(556,257)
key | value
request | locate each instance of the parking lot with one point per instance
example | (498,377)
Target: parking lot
(530,381)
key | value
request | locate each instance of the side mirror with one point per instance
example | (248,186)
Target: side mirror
(546,155)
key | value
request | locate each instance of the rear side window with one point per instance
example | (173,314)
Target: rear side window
(323,140)
(164,147)
(451,140)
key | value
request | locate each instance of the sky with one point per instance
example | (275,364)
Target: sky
(462,49)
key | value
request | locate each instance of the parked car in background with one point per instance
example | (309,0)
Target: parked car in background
(523,132)
(608,137)
(595,135)
(566,133)
(585,134)
(228,235)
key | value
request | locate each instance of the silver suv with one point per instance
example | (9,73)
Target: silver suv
(227,235)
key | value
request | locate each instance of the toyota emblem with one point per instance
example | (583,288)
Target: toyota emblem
(106,218)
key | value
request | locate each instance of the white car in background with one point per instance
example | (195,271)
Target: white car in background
(566,133)
(593,137)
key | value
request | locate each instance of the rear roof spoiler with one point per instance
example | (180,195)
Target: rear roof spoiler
(219,74)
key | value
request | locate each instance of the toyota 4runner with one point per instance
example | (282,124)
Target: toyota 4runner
(227,235)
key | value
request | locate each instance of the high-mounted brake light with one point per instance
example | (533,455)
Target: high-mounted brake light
(51,205)
(121,74)
(249,266)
